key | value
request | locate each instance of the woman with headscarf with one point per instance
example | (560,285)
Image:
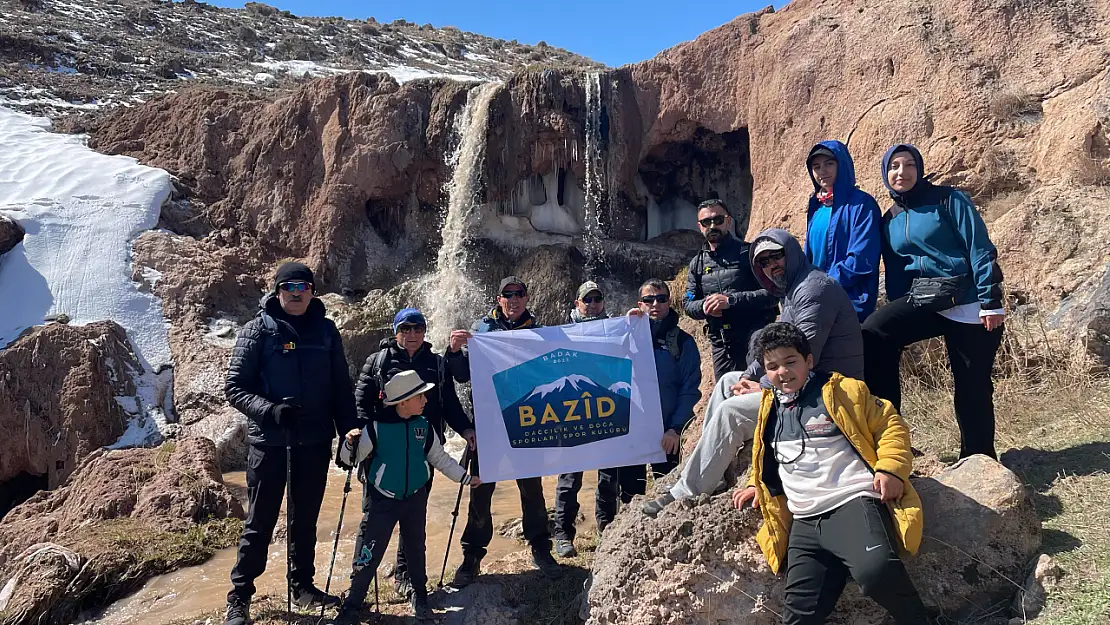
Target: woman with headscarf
(942,279)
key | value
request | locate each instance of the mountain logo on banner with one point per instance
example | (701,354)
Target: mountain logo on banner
(565,398)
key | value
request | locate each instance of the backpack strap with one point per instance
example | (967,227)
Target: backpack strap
(376,367)
(950,219)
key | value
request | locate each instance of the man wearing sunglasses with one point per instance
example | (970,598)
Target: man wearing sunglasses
(722,290)
(407,350)
(511,313)
(288,375)
(589,306)
(814,303)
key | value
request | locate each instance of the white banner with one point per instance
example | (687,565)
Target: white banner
(566,398)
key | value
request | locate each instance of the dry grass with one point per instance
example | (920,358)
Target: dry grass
(1053,430)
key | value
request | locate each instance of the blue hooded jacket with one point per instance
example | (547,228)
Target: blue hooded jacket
(854,242)
(936,232)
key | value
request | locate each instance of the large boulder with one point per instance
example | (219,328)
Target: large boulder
(59,386)
(124,516)
(11,234)
(700,557)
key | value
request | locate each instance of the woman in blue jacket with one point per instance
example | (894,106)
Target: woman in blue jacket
(842,226)
(942,279)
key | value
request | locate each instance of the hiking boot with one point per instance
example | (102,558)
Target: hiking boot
(312,597)
(546,564)
(565,548)
(467,571)
(655,506)
(403,587)
(420,608)
(238,611)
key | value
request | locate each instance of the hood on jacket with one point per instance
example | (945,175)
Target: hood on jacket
(845,172)
(271,305)
(797,266)
(921,182)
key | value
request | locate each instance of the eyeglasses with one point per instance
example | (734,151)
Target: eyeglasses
(589,299)
(651,299)
(512,294)
(295,287)
(769,259)
(715,220)
(408,329)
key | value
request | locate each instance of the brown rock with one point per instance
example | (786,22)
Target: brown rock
(124,516)
(58,385)
(11,234)
(700,555)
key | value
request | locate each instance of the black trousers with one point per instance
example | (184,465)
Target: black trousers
(479,519)
(729,356)
(633,479)
(856,539)
(380,515)
(265,490)
(401,567)
(971,352)
(567,507)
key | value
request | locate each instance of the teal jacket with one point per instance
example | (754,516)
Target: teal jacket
(935,232)
(396,455)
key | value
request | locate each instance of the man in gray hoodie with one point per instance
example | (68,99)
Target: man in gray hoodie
(820,308)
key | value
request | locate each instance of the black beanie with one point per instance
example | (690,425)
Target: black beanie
(289,272)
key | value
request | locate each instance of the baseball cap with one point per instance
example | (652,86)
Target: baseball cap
(766,245)
(588,287)
(511,280)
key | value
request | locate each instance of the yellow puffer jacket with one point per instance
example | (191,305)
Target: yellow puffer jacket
(880,436)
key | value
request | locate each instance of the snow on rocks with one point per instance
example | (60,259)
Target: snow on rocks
(80,210)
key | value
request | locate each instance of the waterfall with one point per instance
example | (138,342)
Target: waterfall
(595,168)
(453,299)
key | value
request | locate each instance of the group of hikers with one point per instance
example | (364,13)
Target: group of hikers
(807,374)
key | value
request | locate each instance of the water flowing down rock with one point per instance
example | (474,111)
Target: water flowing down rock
(124,516)
(699,560)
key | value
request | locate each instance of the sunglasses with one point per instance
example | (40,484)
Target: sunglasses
(589,299)
(651,299)
(294,287)
(512,294)
(769,259)
(715,220)
(408,329)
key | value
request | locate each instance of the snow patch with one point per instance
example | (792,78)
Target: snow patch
(80,209)
(404,73)
(221,332)
(300,68)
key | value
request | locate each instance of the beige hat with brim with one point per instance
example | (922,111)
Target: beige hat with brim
(405,385)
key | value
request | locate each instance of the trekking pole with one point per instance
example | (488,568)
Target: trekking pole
(377,601)
(335,545)
(454,518)
(288,517)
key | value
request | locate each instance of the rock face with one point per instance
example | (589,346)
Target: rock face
(11,233)
(123,516)
(700,558)
(58,390)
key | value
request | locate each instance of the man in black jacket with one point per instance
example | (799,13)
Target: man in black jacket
(721,288)
(408,351)
(511,313)
(288,375)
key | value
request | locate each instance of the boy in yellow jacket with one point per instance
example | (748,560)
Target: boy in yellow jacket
(830,474)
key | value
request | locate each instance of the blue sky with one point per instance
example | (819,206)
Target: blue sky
(614,33)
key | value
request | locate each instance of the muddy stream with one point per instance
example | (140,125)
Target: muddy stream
(198,589)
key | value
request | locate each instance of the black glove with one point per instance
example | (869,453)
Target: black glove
(285,415)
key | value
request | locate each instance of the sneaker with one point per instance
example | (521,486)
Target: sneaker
(546,564)
(420,608)
(565,548)
(238,611)
(467,571)
(312,597)
(655,506)
(403,587)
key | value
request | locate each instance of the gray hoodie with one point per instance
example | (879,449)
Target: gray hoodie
(818,306)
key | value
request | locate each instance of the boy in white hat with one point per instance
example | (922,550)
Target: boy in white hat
(394,455)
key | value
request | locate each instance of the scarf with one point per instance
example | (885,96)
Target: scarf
(825,197)
(789,398)
(577,317)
